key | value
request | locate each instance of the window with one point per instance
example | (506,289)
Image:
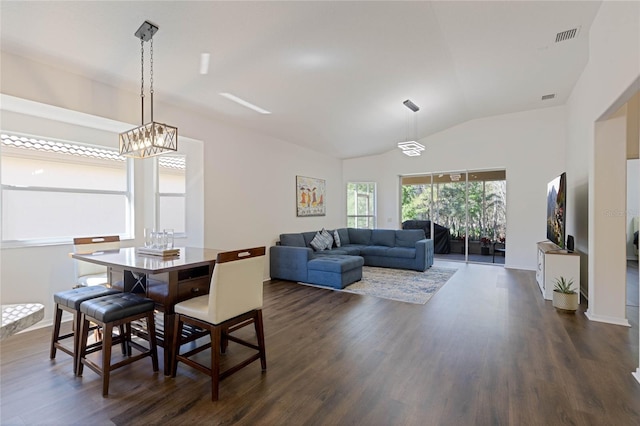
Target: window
(361,205)
(53,191)
(172,189)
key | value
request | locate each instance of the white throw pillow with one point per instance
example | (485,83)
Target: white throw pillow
(318,243)
(328,239)
(336,238)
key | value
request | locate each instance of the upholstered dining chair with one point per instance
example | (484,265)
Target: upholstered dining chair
(89,274)
(234,301)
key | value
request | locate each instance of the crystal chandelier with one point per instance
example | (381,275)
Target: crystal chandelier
(152,138)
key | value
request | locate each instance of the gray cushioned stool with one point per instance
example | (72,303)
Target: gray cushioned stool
(116,310)
(70,301)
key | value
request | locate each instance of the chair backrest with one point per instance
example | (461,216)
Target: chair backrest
(236,284)
(90,245)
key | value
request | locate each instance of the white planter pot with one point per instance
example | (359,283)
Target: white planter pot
(565,301)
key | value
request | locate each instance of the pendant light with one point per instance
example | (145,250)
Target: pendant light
(412,148)
(152,138)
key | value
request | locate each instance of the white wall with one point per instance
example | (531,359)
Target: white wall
(529,145)
(249,179)
(605,85)
(633,204)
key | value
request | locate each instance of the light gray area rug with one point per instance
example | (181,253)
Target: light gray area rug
(399,284)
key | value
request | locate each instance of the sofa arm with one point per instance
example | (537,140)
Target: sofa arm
(289,263)
(424,254)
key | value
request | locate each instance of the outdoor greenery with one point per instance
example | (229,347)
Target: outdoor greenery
(486,207)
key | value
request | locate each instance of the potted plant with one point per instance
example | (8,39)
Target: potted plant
(564,297)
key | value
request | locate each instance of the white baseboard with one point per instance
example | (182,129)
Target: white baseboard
(609,320)
(636,374)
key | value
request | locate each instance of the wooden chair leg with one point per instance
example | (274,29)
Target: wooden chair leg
(106,357)
(125,332)
(224,340)
(56,331)
(216,332)
(259,325)
(82,348)
(151,329)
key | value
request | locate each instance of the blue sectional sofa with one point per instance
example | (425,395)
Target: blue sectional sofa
(390,248)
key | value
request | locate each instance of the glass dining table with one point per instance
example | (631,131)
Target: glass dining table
(166,280)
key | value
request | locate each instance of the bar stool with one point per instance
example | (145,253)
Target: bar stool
(110,311)
(70,301)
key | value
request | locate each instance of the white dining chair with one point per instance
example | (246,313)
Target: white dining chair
(234,301)
(90,274)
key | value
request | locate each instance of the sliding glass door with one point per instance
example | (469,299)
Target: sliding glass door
(464,210)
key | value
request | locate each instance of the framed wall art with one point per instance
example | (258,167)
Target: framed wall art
(310,196)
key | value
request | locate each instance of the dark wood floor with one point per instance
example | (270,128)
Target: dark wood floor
(485,350)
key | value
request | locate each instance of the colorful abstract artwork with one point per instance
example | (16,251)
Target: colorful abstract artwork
(310,196)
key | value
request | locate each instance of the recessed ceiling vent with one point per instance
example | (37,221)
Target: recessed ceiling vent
(567,35)
(547,97)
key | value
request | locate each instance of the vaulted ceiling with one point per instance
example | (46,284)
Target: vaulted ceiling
(332,74)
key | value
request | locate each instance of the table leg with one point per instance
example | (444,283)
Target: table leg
(168,341)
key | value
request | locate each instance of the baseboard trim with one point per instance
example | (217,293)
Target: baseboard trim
(609,320)
(636,374)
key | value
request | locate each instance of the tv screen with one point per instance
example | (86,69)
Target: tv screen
(557,210)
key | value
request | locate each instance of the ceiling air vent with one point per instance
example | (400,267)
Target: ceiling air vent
(547,97)
(567,35)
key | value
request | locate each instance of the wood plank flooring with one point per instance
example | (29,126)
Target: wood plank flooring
(485,350)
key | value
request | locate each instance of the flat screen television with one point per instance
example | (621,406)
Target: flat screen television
(557,210)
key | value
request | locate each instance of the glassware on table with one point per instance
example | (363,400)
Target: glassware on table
(157,237)
(148,237)
(168,239)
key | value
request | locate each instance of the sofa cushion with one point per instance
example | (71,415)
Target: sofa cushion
(292,240)
(336,238)
(383,237)
(322,241)
(408,237)
(308,236)
(352,249)
(326,235)
(375,251)
(336,263)
(344,236)
(359,236)
(333,251)
(404,252)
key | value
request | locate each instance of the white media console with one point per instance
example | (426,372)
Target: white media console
(553,263)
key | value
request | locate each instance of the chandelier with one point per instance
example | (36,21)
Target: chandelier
(412,148)
(152,138)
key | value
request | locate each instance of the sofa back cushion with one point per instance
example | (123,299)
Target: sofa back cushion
(344,236)
(383,237)
(408,237)
(308,236)
(292,240)
(359,236)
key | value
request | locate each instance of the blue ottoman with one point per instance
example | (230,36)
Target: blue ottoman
(337,271)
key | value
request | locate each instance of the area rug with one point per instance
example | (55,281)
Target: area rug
(401,285)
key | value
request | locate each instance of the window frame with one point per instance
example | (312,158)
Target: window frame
(159,195)
(371,218)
